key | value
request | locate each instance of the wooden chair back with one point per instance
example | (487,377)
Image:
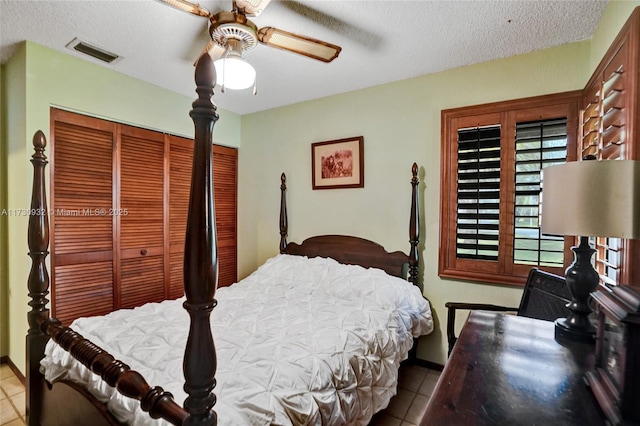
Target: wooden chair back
(545,296)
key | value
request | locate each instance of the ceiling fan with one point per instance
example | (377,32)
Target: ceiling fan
(232,33)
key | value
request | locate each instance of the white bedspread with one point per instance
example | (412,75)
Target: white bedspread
(300,341)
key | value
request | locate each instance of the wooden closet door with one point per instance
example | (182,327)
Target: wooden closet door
(121,195)
(81,227)
(141,217)
(225,172)
(180,162)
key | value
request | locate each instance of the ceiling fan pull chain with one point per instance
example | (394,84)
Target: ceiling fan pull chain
(255,86)
(225,55)
(224,65)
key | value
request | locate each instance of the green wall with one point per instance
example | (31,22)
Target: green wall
(4,343)
(614,17)
(400,123)
(37,78)
(4,295)
(13,131)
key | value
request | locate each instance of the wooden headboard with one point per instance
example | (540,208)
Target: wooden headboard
(354,250)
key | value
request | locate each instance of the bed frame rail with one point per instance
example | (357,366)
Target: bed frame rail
(200,278)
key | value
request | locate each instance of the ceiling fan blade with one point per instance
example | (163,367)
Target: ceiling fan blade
(187,6)
(250,7)
(213,49)
(347,28)
(316,49)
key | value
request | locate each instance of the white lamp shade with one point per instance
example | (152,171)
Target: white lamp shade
(234,73)
(592,198)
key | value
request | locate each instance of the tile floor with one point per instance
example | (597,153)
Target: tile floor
(11,398)
(415,385)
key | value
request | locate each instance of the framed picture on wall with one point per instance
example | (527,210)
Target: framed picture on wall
(338,163)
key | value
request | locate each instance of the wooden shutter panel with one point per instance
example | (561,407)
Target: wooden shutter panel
(478,213)
(181,156)
(616,83)
(538,144)
(225,171)
(614,107)
(82,229)
(591,124)
(606,109)
(142,227)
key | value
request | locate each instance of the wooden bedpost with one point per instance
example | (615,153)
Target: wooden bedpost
(38,283)
(200,256)
(414,227)
(284,225)
(41,327)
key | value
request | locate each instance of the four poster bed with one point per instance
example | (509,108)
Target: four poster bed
(314,336)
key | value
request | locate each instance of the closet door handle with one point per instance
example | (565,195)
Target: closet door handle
(143,252)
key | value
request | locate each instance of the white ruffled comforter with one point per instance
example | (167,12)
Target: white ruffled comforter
(299,342)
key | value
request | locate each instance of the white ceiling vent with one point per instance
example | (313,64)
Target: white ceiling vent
(92,50)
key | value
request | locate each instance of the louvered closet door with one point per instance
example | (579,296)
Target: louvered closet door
(181,155)
(81,228)
(142,175)
(225,172)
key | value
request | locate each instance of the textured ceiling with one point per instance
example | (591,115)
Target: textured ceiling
(382,41)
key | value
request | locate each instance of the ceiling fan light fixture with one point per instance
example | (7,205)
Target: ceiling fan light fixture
(233,72)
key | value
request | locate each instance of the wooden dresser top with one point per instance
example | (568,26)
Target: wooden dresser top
(509,370)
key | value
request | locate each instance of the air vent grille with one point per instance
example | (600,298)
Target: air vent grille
(92,50)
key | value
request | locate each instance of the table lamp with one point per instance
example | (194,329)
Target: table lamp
(588,198)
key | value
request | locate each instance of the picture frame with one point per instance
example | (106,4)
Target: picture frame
(338,163)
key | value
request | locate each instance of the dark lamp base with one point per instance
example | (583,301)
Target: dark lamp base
(582,335)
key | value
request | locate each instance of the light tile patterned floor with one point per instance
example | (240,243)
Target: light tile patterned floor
(415,385)
(11,398)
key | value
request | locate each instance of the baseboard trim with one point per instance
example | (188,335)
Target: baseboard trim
(428,364)
(6,360)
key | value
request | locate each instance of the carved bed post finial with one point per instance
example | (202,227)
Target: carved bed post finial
(284,225)
(200,256)
(38,283)
(414,227)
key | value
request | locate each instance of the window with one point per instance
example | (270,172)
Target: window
(478,213)
(608,258)
(492,156)
(538,144)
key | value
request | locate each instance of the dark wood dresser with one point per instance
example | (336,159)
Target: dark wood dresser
(509,370)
